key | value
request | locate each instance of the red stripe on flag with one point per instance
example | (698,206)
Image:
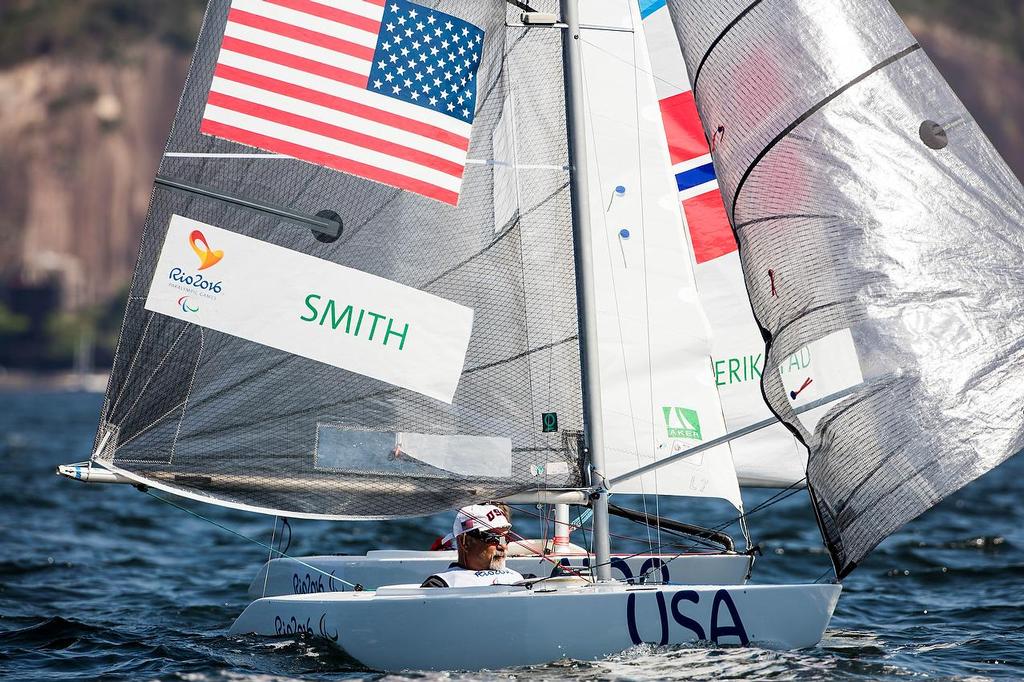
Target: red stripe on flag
(343,105)
(294,62)
(682,127)
(331,14)
(709,226)
(305,35)
(379,3)
(321,158)
(337,133)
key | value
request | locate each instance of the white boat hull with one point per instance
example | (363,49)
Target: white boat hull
(410,628)
(398,567)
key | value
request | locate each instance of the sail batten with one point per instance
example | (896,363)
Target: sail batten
(878,230)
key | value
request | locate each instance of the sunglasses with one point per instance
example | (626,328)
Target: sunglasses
(491,537)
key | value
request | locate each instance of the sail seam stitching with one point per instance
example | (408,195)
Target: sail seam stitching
(810,112)
(714,43)
(809,311)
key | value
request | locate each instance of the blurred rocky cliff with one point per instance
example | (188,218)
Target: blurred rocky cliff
(88,89)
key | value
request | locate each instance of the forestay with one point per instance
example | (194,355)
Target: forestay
(875,218)
(427,358)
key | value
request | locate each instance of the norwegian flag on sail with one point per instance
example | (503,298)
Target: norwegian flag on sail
(383,91)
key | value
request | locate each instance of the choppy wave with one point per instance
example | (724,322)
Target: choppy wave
(101,582)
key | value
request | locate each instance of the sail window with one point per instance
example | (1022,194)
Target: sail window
(412,454)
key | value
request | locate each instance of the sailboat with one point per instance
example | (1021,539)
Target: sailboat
(359,332)
(653,339)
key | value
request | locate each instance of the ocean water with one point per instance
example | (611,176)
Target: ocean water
(103,582)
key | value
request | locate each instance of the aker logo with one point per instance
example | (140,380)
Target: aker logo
(187,306)
(207,256)
(682,422)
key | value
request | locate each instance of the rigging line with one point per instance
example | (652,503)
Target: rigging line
(681,87)
(270,556)
(615,297)
(253,540)
(228,155)
(775,499)
(156,370)
(811,112)
(764,505)
(714,43)
(647,300)
(188,393)
(135,357)
(213,396)
(819,578)
(693,540)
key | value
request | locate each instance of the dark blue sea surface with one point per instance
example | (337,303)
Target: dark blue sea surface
(104,582)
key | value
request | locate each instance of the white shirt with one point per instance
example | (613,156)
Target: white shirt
(457,576)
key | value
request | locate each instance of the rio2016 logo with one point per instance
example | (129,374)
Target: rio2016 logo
(187,306)
(207,259)
(207,256)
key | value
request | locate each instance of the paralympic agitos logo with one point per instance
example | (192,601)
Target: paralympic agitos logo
(208,257)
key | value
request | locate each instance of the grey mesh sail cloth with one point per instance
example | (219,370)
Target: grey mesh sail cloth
(210,415)
(865,198)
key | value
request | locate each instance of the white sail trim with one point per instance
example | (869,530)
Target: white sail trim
(657,393)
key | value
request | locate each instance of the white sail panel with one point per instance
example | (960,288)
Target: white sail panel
(872,214)
(322,311)
(657,394)
(771,456)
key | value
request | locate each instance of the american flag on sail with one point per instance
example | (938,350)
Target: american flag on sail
(382,90)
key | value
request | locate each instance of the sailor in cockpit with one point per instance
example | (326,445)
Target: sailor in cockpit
(480,533)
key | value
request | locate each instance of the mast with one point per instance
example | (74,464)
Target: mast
(585,302)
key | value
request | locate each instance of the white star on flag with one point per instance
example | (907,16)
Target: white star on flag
(305,78)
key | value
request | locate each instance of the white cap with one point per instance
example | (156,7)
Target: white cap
(485,516)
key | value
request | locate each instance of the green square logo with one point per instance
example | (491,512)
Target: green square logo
(682,422)
(549,422)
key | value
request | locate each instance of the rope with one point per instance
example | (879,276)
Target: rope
(774,499)
(578,525)
(252,540)
(270,556)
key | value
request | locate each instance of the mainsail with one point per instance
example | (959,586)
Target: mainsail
(281,374)
(873,217)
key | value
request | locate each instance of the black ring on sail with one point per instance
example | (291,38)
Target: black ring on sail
(786,216)
(714,43)
(810,112)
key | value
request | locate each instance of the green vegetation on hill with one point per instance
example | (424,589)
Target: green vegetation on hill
(998,21)
(32,28)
